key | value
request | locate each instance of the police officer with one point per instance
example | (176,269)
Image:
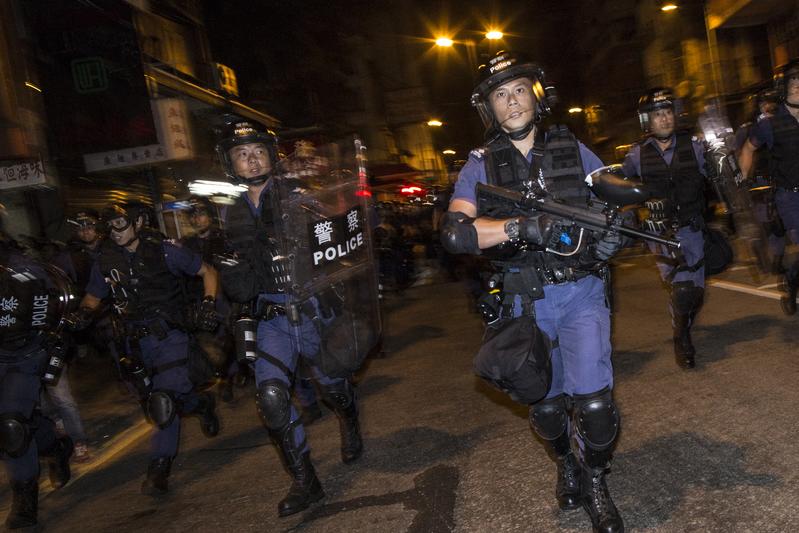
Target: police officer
(780,134)
(577,419)
(249,156)
(142,273)
(209,241)
(672,164)
(76,261)
(761,190)
(29,311)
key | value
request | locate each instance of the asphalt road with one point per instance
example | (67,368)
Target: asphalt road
(707,450)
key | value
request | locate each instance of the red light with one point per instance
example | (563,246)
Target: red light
(363,192)
(411,189)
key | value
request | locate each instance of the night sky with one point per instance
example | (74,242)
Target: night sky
(290,55)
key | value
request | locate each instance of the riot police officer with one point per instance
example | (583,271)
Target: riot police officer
(30,309)
(209,241)
(761,189)
(142,273)
(780,134)
(553,298)
(76,261)
(249,156)
(672,164)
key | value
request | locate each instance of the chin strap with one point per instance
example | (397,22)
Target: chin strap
(520,134)
(794,106)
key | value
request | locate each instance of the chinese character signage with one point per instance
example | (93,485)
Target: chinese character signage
(15,174)
(338,237)
(88,75)
(128,157)
(172,122)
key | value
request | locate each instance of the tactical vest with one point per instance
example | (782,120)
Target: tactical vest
(557,169)
(557,166)
(82,261)
(208,248)
(784,162)
(142,286)
(681,181)
(249,236)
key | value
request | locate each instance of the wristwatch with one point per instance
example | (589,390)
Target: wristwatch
(512,229)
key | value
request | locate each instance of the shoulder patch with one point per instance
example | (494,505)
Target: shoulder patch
(478,152)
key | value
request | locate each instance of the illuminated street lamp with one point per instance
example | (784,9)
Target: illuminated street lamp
(433,122)
(444,42)
(471,49)
(494,35)
(669,6)
(448,151)
(573,110)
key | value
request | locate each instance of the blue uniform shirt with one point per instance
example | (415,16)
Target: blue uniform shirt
(763,132)
(179,261)
(474,172)
(632,161)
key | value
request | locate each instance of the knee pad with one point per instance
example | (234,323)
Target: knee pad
(161,408)
(596,419)
(15,435)
(273,401)
(549,417)
(341,395)
(686,297)
(458,234)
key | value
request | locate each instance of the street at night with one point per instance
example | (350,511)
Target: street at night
(399,266)
(711,449)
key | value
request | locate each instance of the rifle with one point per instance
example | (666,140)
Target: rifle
(613,192)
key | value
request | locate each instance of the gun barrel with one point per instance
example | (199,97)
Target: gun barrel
(594,221)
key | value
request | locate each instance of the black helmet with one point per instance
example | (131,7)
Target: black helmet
(85,218)
(761,97)
(502,68)
(243,132)
(654,99)
(130,211)
(781,76)
(200,204)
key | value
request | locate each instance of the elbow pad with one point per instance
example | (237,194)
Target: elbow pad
(458,234)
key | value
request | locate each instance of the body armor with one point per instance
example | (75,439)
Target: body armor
(250,237)
(142,286)
(557,171)
(681,182)
(784,160)
(209,248)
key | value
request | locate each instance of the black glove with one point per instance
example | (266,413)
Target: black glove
(207,319)
(79,320)
(536,229)
(608,244)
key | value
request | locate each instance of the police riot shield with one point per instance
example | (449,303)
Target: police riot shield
(33,301)
(323,227)
(729,184)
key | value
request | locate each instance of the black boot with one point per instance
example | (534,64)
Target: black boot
(684,350)
(598,504)
(788,302)
(157,481)
(686,299)
(567,487)
(25,505)
(58,462)
(344,403)
(305,489)
(206,410)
